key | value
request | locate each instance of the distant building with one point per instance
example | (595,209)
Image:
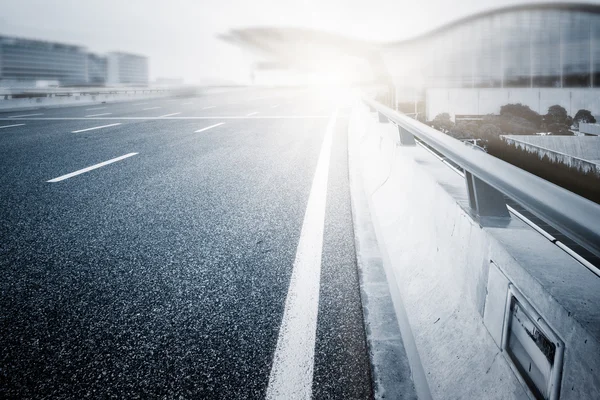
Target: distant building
(26,63)
(97,71)
(589,129)
(24,60)
(127,69)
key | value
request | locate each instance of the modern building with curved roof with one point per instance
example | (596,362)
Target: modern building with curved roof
(537,45)
(534,46)
(539,54)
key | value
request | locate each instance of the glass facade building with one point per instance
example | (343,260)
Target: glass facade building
(32,60)
(533,46)
(127,69)
(25,62)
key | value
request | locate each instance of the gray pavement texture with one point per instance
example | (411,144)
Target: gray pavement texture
(164,275)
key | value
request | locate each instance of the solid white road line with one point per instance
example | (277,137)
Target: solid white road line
(10,126)
(151,108)
(209,127)
(96,127)
(97,115)
(95,166)
(95,108)
(251,114)
(24,115)
(208,108)
(293,363)
(169,115)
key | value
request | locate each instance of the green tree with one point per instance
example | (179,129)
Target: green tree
(464,130)
(584,116)
(489,131)
(442,122)
(557,120)
(516,111)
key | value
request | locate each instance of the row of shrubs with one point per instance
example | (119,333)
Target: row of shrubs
(514,119)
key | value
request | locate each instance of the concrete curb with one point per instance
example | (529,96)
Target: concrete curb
(390,367)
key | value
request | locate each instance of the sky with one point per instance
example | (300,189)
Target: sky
(179,36)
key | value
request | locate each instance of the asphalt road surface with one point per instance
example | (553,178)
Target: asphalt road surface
(197,247)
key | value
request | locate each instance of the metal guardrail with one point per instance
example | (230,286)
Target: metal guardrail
(14,93)
(569,213)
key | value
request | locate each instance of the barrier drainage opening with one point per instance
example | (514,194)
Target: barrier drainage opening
(535,352)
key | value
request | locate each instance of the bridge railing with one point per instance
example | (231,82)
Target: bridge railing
(488,179)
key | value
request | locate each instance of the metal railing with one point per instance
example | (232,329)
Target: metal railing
(489,178)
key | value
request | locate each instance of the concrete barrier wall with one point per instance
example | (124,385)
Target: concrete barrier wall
(452,275)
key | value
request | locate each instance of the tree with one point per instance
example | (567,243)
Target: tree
(464,130)
(584,116)
(520,111)
(442,122)
(557,120)
(489,132)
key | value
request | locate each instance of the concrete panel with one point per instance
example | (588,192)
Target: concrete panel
(495,303)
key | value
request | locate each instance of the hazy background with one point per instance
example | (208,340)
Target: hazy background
(179,36)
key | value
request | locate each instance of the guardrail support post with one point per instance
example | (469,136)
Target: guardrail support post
(382,118)
(484,199)
(406,138)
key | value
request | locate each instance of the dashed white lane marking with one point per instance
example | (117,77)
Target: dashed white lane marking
(24,115)
(209,127)
(151,108)
(96,127)
(139,104)
(97,115)
(187,104)
(92,167)
(293,363)
(169,115)
(95,108)
(208,108)
(251,114)
(10,126)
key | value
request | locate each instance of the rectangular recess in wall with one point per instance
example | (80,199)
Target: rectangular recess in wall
(534,350)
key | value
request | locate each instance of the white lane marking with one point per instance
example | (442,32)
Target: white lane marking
(92,167)
(208,108)
(97,115)
(139,104)
(151,108)
(251,114)
(275,106)
(209,127)
(187,104)
(24,115)
(169,115)
(95,108)
(293,362)
(10,126)
(96,127)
